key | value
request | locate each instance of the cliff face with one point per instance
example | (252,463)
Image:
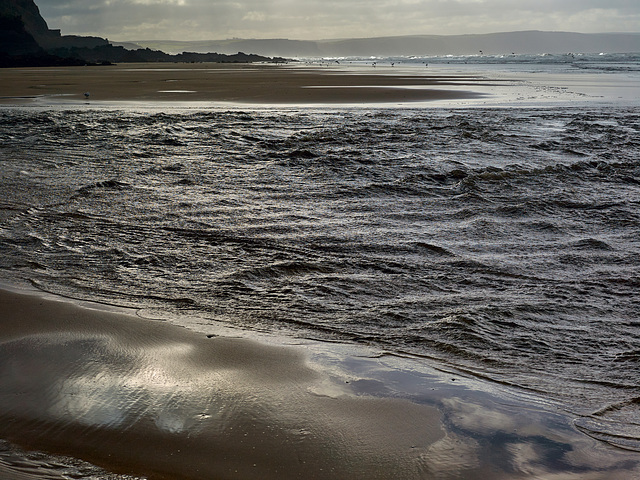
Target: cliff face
(26,40)
(28,11)
(15,40)
(37,27)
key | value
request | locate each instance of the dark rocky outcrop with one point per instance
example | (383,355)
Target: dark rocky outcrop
(111,54)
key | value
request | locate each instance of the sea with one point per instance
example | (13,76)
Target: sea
(497,238)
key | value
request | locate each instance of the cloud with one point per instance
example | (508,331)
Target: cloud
(312,19)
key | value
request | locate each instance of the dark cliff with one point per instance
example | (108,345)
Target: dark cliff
(37,27)
(15,40)
(26,40)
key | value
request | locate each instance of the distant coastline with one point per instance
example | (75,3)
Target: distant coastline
(523,42)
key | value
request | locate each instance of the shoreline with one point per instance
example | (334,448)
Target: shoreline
(90,383)
(209,85)
(235,83)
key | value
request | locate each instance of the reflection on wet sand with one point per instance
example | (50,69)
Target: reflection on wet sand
(163,400)
(145,398)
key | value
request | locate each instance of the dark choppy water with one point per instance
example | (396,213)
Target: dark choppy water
(504,242)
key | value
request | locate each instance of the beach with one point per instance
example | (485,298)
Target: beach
(312,84)
(243,83)
(248,271)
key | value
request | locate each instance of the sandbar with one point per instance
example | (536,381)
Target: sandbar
(239,83)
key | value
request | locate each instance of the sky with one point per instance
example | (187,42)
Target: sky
(122,20)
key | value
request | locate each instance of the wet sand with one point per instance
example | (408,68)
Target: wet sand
(143,397)
(147,398)
(239,83)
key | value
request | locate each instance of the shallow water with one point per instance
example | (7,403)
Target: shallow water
(501,242)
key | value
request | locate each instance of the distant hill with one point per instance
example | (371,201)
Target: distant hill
(527,42)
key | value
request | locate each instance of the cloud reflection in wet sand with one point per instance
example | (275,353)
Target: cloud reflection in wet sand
(146,398)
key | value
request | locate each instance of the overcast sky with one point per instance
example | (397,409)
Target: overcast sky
(121,20)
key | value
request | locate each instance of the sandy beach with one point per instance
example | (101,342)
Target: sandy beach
(300,84)
(243,83)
